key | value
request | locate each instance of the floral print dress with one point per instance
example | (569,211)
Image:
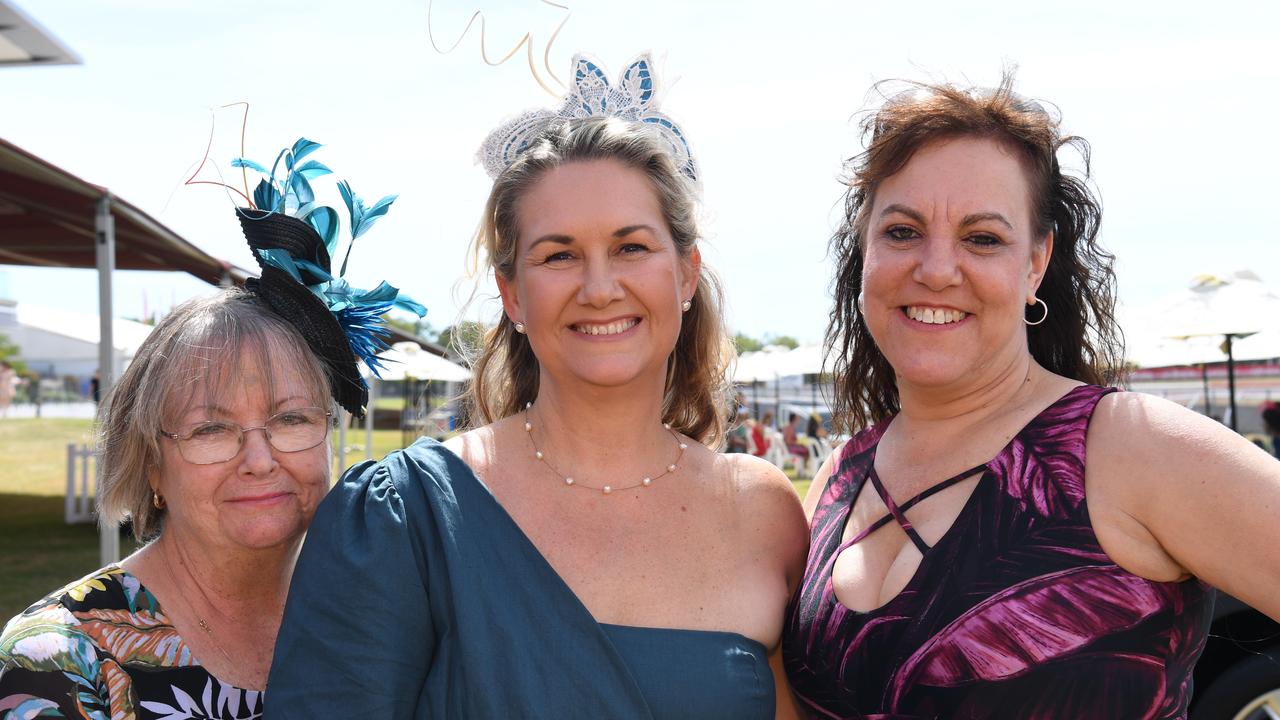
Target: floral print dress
(102,649)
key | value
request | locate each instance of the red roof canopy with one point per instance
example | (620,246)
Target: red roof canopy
(47,218)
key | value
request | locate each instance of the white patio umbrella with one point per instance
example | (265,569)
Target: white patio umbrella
(762,366)
(1215,309)
(405,361)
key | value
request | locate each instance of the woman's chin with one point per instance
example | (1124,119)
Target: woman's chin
(614,373)
(932,376)
(264,533)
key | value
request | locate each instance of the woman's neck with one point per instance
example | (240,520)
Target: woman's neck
(1005,385)
(581,428)
(238,587)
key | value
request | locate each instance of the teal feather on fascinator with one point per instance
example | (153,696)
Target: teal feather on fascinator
(293,238)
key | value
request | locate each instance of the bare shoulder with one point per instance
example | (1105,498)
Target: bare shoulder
(1171,470)
(1149,437)
(768,507)
(758,480)
(475,447)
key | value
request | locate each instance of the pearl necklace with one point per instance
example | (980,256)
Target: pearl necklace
(607,489)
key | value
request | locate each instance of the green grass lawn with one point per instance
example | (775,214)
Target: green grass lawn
(38,551)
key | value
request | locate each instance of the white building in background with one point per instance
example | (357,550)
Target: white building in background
(60,343)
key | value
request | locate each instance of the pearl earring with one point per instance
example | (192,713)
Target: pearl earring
(520,328)
(684,306)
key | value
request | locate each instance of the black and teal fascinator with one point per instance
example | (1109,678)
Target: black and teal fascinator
(293,239)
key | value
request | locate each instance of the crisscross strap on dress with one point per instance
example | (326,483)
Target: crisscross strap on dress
(898,512)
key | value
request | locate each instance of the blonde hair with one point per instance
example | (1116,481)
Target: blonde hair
(505,372)
(197,348)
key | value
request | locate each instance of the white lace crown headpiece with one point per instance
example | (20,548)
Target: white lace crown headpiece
(634,98)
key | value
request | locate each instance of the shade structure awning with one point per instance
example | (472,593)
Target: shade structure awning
(23,41)
(776,361)
(47,219)
(1238,304)
(409,361)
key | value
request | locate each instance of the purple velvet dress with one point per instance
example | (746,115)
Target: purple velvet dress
(1016,612)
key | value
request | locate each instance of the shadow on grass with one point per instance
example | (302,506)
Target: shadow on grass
(39,553)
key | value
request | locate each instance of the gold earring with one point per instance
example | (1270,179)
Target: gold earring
(157,500)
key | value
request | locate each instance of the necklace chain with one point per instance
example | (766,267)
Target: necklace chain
(605,489)
(199,620)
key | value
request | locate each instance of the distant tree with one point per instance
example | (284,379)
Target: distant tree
(417,327)
(784,340)
(746,344)
(465,338)
(9,353)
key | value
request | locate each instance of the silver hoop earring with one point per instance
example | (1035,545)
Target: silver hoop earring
(684,306)
(1043,317)
(520,328)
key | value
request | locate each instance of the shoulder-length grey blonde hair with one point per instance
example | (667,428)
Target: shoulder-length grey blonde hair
(505,373)
(198,350)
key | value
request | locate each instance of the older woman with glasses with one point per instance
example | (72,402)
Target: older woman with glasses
(215,445)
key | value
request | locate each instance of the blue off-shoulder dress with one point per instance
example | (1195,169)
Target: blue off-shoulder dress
(417,596)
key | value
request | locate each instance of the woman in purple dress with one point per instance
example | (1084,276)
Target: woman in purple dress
(974,336)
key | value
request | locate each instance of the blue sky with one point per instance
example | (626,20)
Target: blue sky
(1178,102)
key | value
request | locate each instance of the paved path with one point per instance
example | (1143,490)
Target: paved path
(53,410)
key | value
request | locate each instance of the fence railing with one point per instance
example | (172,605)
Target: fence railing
(82,484)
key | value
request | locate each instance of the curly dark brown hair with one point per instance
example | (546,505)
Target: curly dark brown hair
(1080,339)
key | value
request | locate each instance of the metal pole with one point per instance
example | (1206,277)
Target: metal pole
(105,249)
(368,418)
(1204,376)
(1231,382)
(344,416)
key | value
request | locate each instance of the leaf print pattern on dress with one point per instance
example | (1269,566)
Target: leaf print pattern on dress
(73,656)
(28,707)
(1015,612)
(232,704)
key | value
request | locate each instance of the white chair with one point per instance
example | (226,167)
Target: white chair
(777,452)
(818,452)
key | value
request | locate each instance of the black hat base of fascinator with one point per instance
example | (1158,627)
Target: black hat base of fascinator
(293,238)
(295,303)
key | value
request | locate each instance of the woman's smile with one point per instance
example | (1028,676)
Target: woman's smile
(606,330)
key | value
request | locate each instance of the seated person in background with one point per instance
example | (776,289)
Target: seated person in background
(816,429)
(757,434)
(791,436)
(739,439)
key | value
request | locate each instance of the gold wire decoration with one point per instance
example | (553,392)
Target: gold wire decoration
(525,41)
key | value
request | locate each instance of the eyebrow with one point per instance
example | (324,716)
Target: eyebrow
(619,233)
(970,219)
(215,409)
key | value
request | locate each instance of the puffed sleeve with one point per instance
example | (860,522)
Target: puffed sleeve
(357,638)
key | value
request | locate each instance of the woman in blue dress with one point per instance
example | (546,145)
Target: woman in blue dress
(585,553)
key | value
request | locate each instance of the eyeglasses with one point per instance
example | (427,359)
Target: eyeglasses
(216,441)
